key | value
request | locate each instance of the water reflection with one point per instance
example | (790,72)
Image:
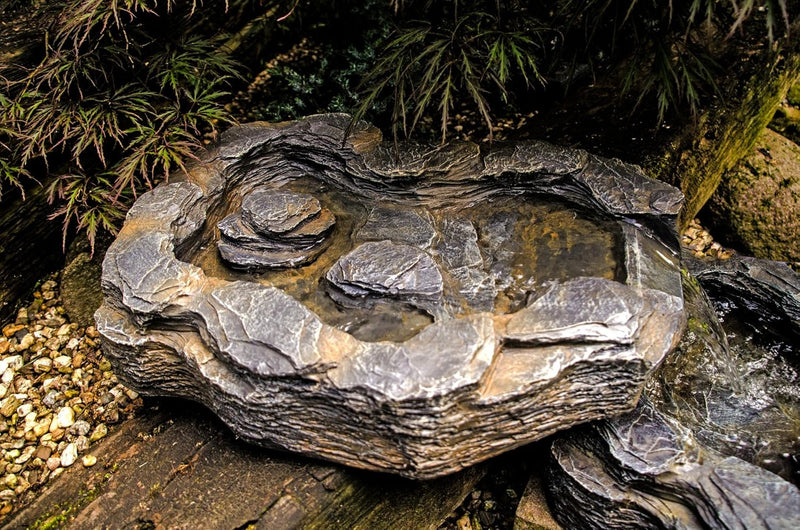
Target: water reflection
(492,254)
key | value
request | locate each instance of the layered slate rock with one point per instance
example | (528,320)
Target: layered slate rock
(770,289)
(643,470)
(274,228)
(384,269)
(507,359)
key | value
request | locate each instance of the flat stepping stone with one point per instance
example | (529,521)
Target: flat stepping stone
(274,229)
(387,268)
(270,211)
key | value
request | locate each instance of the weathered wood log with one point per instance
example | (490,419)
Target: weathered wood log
(180,468)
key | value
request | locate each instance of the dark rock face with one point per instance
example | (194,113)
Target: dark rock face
(643,470)
(769,289)
(512,348)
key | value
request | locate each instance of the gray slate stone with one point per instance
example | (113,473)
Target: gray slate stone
(388,269)
(470,385)
(274,228)
(769,288)
(401,226)
(278,211)
(643,470)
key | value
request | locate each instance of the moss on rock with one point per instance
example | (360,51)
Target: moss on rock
(757,205)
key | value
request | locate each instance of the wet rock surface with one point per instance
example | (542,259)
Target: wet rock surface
(643,470)
(733,379)
(770,290)
(389,269)
(274,228)
(714,442)
(515,348)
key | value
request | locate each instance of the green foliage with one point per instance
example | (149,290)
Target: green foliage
(118,94)
(122,95)
(426,65)
(337,50)
(666,51)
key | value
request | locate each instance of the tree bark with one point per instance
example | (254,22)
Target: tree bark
(698,158)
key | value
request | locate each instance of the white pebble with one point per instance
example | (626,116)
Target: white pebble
(24,409)
(64,419)
(62,363)
(89,460)
(69,456)
(42,364)
(15,362)
(42,427)
(50,382)
(63,330)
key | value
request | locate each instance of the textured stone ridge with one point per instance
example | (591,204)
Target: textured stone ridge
(274,228)
(462,389)
(643,470)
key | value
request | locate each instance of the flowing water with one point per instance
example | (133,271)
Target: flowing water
(734,380)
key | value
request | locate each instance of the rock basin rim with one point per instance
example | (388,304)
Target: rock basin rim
(459,391)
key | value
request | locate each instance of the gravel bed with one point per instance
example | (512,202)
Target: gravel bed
(58,397)
(700,242)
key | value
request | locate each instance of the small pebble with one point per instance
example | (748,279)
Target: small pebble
(43,452)
(58,376)
(14,362)
(65,418)
(42,364)
(69,455)
(63,364)
(53,463)
(26,342)
(80,428)
(24,409)
(99,432)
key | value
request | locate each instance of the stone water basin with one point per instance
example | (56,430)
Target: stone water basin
(412,311)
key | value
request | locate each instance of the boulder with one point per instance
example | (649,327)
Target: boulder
(644,470)
(565,335)
(756,207)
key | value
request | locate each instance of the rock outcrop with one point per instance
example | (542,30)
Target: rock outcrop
(756,207)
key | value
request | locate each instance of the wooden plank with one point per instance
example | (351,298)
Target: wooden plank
(78,485)
(180,468)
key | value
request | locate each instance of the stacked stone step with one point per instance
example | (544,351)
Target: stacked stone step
(274,228)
